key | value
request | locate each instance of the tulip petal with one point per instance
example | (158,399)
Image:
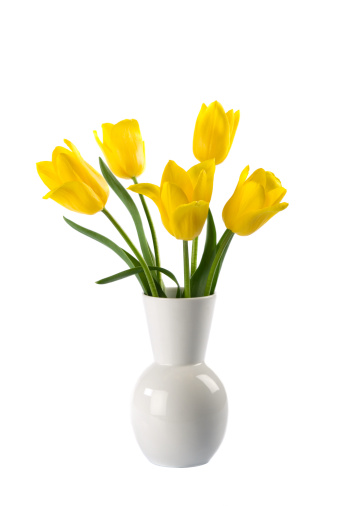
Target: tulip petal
(252,221)
(247,197)
(75,151)
(211,134)
(272,181)
(202,112)
(48,175)
(199,192)
(172,197)
(230,117)
(87,174)
(153,192)
(259,176)
(188,220)
(97,138)
(251,197)
(243,175)
(149,190)
(77,197)
(111,158)
(274,196)
(236,118)
(107,132)
(194,172)
(63,161)
(127,128)
(59,150)
(204,187)
(231,208)
(198,146)
(127,147)
(176,175)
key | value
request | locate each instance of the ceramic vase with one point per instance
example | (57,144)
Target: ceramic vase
(179,406)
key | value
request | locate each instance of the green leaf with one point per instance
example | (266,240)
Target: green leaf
(124,255)
(221,251)
(218,269)
(136,263)
(142,276)
(136,270)
(160,291)
(170,275)
(120,275)
(199,278)
(127,200)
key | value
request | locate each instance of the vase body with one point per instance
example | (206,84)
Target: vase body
(179,406)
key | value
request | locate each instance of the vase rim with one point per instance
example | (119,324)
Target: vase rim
(173,290)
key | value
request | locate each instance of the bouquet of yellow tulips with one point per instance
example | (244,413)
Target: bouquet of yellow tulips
(183,199)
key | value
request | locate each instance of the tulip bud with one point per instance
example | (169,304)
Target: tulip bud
(254,201)
(123,148)
(214,132)
(74,184)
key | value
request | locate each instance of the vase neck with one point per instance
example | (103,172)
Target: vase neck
(179,328)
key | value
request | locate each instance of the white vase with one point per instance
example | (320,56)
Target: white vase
(179,406)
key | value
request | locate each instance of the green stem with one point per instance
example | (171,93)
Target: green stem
(223,244)
(194,258)
(187,292)
(154,235)
(135,251)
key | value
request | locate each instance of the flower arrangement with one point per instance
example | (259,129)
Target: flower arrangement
(183,199)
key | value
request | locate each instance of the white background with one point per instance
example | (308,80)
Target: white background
(71,351)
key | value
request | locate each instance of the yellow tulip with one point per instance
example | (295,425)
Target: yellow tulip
(214,132)
(123,148)
(73,182)
(182,198)
(254,201)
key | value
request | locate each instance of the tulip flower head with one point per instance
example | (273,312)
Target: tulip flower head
(123,148)
(182,198)
(254,201)
(73,183)
(214,132)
